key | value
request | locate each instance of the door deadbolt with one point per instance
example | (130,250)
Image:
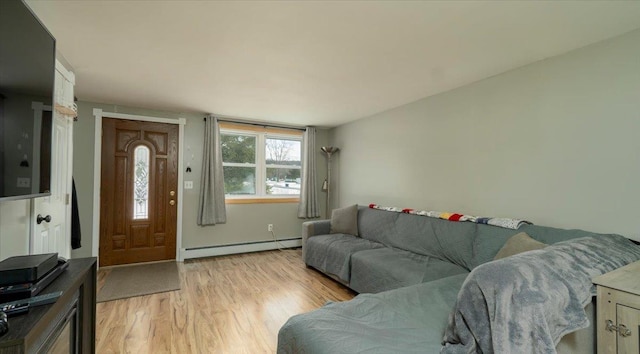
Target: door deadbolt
(172,193)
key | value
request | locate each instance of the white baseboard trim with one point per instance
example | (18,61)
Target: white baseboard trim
(190,253)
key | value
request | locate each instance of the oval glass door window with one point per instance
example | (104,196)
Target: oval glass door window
(141,183)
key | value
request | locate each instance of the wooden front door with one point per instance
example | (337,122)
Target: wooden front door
(138,191)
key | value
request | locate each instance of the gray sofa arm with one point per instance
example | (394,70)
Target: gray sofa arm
(313,228)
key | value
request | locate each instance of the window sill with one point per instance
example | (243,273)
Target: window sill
(261,200)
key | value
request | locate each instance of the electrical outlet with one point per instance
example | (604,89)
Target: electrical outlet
(188,184)
(270,227)
(23,182)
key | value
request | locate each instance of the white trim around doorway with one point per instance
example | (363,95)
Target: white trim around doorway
(97,166)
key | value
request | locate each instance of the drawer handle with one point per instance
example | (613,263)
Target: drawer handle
(622,330)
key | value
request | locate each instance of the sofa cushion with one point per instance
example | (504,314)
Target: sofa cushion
(490,239)
(345,220)
(551,235)
(518,243)
(443,239)
(447,240)
(377,225)
(382,269)
(406,320)
(332,253)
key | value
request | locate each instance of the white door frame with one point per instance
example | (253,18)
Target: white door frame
(97,170)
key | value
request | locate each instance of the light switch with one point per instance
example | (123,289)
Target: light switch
(188,184)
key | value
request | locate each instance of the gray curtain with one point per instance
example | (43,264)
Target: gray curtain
(308,207)
(211,209)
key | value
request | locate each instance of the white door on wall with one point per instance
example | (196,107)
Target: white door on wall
(51,216)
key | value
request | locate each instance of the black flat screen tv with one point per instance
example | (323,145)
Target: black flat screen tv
(27,72)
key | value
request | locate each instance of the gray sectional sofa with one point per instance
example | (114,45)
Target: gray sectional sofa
(408,270)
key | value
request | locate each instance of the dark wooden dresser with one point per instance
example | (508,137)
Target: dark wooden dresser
(66,326)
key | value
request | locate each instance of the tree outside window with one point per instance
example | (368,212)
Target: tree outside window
(239,163)
(283,166)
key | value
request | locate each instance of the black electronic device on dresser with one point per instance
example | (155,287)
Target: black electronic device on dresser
(22,277)
(65,326)
(26,269)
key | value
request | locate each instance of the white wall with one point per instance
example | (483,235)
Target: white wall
(14,228)
(556,142)
(245,222)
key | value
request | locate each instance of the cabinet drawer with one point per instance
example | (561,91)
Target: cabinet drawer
(628,320)
(616,308)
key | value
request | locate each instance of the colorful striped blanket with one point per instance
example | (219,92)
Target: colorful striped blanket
(506,223)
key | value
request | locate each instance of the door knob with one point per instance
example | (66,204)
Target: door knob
(40,219)
(172,202)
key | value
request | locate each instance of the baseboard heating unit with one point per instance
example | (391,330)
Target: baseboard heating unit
(199,252)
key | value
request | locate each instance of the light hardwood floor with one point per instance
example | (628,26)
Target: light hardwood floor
(227,304)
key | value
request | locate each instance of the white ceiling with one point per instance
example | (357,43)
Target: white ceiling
(310,62)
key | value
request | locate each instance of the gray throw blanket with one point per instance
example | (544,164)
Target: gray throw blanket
(526,303)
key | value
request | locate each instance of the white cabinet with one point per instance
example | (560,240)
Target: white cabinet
(619,310)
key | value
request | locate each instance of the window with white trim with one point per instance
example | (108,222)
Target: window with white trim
(259,162)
